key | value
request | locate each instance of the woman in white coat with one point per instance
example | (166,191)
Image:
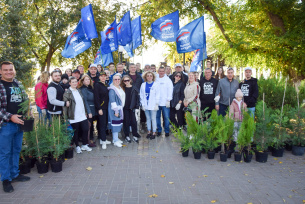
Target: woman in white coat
(150,97)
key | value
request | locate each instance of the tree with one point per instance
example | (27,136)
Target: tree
(262,33)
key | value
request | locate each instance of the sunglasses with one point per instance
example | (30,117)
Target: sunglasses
(117,79)
(126,80)
(178,76)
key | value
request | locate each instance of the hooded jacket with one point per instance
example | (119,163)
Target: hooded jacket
(227,91)
(235,111)
(154,96)
(250,91)
(94,79)
(101,96)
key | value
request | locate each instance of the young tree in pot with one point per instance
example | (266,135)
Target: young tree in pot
(298,138)
(245,136)
(222,137)
(60,142)
(25,106)
(183,139)
(212,131)
(263,132)
(228,131)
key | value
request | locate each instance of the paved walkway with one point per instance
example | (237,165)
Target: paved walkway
(134,173)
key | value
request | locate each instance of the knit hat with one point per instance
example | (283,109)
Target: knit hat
(64,76)
(239,93)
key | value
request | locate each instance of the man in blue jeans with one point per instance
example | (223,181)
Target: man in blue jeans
(11,96)
(166,95)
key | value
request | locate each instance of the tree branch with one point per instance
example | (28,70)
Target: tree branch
(216,19)
(277,22)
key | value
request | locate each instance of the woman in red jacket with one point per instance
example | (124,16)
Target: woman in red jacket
(41,96)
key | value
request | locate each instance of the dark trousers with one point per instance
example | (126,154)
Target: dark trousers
(210,106)
(83,125)
(180,116)
(130,120)
(102,125)
(90,135)
(142,116)
(222,109)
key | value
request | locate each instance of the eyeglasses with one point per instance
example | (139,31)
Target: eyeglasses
(126,80)
(117,79)
(178,76)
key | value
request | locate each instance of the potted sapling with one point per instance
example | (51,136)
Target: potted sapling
(228,131)
(184,140)
(298,130)
(212,130)
(263,132)
(222,137)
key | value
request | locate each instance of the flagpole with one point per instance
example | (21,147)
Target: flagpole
(183,59)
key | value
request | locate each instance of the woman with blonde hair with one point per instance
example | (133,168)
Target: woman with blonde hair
(85,85)
(150,97)
(68,72)
(132,102)
(41,96)
(191,95)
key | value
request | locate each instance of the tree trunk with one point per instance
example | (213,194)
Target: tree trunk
(49,57)
(278,23)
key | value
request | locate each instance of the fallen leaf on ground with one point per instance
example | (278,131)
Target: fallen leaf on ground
(246,174)
(249,203)
(162,176)
(124,145)
(153,196)
(153,157)
(194,185)
(275,158)
(290,196)
(229,165)
(205,175)
(41,176)
(157,151)
(284,200)
(303,201)
(171,182)
(160,160)
(213,201)
(280,162)
(66,159)
(89,168)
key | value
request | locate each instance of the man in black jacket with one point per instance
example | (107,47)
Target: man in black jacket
(249,88)
(136,78)
(208,86)
(93,73)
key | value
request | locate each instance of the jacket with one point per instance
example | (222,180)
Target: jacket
(88,96)
(191,93)
(185,78)
(55,98)
(227,91)
(6,116)
(166,90)
(69,111)
(94,79)
(250,91)
(235,112)
(115,107)
(138,81)
(101,96)
(178,93)
(41,96)
(135,98)
(154,96)
(208,90)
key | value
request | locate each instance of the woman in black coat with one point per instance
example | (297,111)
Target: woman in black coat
(176,106)
(101,101)
(132,102)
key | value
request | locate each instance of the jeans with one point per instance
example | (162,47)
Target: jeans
(115,136)
(151,118)
(41,115)
(222,109)
(165,113)
(252,111)
(10,148)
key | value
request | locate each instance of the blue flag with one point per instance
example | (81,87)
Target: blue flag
(76,43)
(128,49)
(200,54)
(165,28)
(109,39)
(107,59)
(191,36)
(124,30)
(98,57)
(88,22)
(136,32)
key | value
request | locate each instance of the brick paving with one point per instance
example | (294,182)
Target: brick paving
(131,174)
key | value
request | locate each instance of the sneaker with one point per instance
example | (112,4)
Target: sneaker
(86,148)
(135,139)
(107,142)
(127,139)
(153,136)
(78,150)
(137,135)
(166,134)
(104,146)
(21,178)
(7,186)
(120,141)
(148,136)
(159,134)
(118,144)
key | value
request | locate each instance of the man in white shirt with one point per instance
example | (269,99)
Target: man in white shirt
(166,95)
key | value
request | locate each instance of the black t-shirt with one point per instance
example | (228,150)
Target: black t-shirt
(128,97)
(14,96)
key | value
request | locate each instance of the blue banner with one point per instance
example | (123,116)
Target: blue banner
(128,49)
(98,57)
(109,39)
(136,32)
(165,28)
(191,36)
(197,60)
(107,59)
(76,43)
(124,30)
(88,22)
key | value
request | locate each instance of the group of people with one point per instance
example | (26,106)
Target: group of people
(117,98)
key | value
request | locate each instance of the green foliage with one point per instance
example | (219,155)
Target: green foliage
(264,126)
(245,133)
(228,131)
(196,132)
(298,126)
(213,130)
(280,123)
(181,137)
